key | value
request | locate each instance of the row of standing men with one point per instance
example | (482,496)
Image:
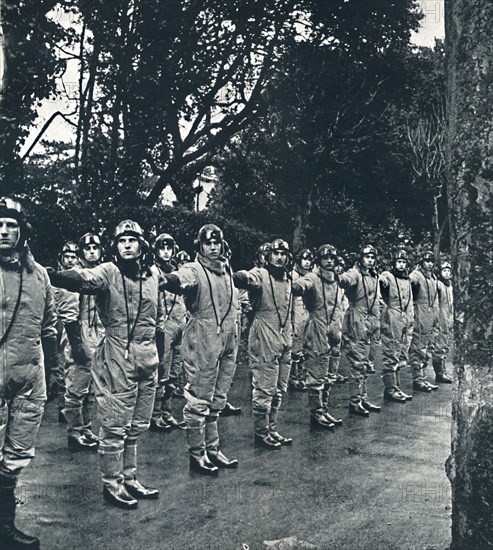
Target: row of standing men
(125,322)
(299,317)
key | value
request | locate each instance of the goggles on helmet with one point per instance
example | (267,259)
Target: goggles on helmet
(211,234)
(327,251)
(89,238)
(401,255)
(263,248)
(369,252)
(11,204)
(182,256)
(170,243)
(69,247)
(279,245)
(128,227)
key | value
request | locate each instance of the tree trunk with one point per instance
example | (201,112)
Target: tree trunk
(2,54)
(302,220)
(469,43)
(10,167)
(436,226)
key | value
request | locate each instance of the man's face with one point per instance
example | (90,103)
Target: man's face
(9,234)
(428,265)
(69,260)
(446,273)
(305,263)
(128,247)
(328,262)
(211,248)
(400,264)
(91,253)
(278,258)
(165,252)
(369,260)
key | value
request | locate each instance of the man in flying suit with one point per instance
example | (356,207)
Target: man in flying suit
(395,317)
(175,318)
(269,340)
(209,345)
(27,347)
(125,365)
(445,326)
(426,308)
(361,326)
(302,266)
(84,333)
(324,301)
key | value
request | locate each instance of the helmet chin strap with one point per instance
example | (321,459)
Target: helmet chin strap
(6,252)
(121,259)
(10,255)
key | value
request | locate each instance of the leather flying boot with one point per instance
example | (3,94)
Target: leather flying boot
(78,442)
(434,387)
(221,461)
(199,462)
(441,375)
(391,391)
(319,421)
(207,461)
(262,435)
(332,419)
(356,408)
(201,465)
(443,378)
(139,491)
(294,375)
(111,463)
(370,407)
(325,400)
(130,481)
(266,441)
(118,496)
(317,418)
(159,425)
(302,373)
(421,386)
(429,384)
(169,419)
(61,417)
(230,410)
(284,441)
(90,435)
(213,456)
(393,394)
(408,396)
(274,411)
(340,379)
(10,536)
(296,382)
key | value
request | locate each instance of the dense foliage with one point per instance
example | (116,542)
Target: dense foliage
(311,113)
